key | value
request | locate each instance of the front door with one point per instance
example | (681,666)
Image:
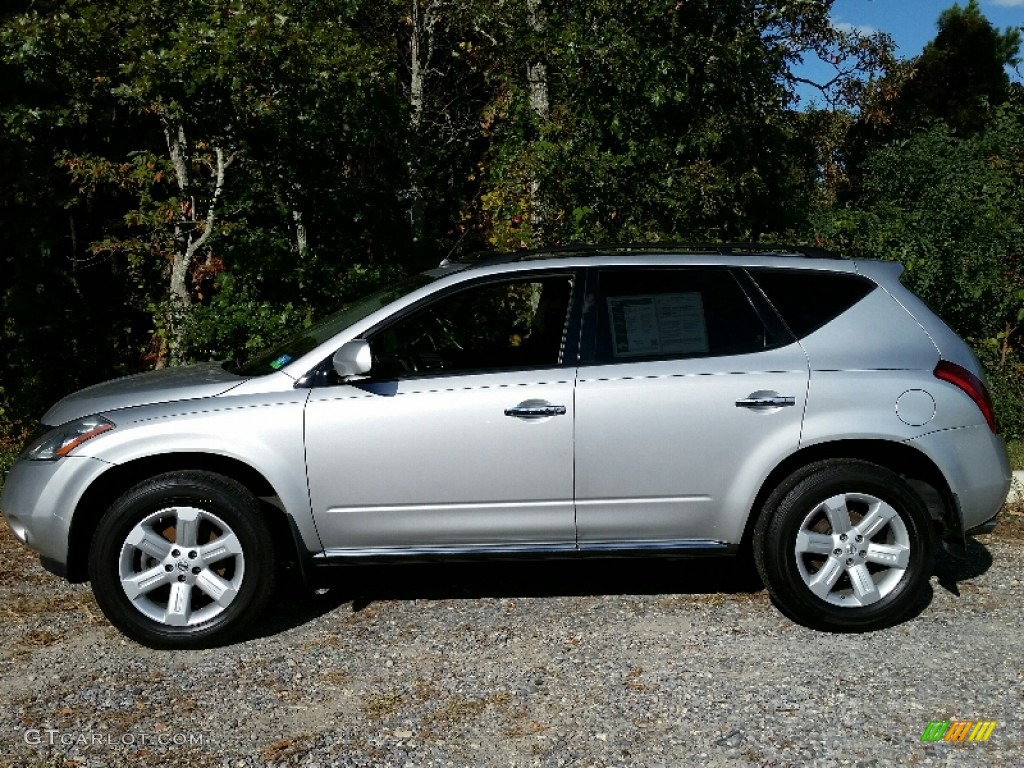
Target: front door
(461,439)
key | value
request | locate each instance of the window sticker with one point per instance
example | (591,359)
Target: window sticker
(281,361)
(658,324)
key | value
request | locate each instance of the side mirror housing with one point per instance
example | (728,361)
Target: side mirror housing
(353,359)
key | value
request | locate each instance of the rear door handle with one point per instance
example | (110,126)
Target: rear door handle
(535,411)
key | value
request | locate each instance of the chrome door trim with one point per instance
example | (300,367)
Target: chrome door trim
(647,546)
(441,551)
(483,551)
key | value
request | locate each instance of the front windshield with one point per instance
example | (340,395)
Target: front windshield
(281,354)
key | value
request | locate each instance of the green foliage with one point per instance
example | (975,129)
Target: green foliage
(1015,450)
(14,433)
(236,324)
(960,80)
(667,120)
(961,74)
(951,209)
(96,210)
(360,141)
(1005,370)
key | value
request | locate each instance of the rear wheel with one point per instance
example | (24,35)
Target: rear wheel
(182,561)
(845,546)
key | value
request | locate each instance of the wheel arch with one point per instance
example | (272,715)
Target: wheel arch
(918,469)
(109,486)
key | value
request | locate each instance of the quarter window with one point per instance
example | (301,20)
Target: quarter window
(806,299)
(649,314)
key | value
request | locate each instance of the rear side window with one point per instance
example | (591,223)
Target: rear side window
(807,300)
(652,314)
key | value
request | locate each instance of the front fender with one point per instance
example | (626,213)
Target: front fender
(262,431)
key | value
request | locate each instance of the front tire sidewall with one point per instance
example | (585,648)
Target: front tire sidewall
(779,559)
(225,499)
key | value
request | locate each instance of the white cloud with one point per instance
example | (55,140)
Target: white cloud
(1009,3)
(865,30)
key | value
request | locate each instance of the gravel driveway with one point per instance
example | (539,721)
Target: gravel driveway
(602,663)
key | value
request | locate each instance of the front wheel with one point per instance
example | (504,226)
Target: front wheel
(182,561)
(845,546)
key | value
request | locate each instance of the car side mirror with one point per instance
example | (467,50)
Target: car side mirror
(353,359)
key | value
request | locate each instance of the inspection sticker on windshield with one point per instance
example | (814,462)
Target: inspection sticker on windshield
(282,360)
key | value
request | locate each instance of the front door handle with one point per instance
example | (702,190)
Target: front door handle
(765,400)
(535,411)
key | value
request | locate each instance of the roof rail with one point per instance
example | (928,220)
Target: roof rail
(582,249)
(808,251)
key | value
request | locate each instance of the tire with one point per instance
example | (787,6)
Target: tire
(182,560)
(845,546)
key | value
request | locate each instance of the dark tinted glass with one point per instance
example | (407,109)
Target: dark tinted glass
(646,314)
(281,354)
(510,324)
(809,299)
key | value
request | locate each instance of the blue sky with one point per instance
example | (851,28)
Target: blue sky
(912,23)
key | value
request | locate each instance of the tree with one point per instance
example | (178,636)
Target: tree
(448,52)
(251,108)
(54,295)
(664,120)
(951,208)
(960,77)
(191,180)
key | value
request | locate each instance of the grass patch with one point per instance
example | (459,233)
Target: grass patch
(40,638)
(383,705)
(1011,522)
(288,750)
(1015,450)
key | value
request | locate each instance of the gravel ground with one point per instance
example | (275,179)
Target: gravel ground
(632,663)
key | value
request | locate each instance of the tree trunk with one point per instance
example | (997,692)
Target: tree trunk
(537,71)
(301,242)
(421,50)
(537,83)
(191,233)
(301,236)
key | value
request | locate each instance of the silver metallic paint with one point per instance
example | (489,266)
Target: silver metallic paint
(663,457)
(434,460)
(663,451)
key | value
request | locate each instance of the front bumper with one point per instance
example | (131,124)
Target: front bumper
(39,499)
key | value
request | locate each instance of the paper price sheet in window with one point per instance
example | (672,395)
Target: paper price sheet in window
(658,324)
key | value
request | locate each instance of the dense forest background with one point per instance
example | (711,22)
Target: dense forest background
(186,181)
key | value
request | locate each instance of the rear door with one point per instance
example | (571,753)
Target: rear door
(688,394)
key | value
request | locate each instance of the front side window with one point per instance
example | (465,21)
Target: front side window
(655,313)
(279,355)
(499,325)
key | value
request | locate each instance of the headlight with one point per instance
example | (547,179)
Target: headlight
(60,441)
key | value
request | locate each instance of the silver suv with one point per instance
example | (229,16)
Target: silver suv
(590,401)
